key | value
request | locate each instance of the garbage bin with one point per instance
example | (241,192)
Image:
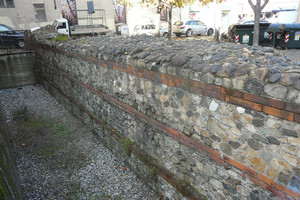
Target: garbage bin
(285,35)
(243,33)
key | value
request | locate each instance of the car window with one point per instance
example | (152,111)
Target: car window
(62,25)
(55,23)
(178,23)
(151,26)
(194,23)
(4,28)
(137,27)
(201,23)
(188,23)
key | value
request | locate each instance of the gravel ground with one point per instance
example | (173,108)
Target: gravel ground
(293,54)
(82,169)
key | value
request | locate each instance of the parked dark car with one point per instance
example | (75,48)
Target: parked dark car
(10,37)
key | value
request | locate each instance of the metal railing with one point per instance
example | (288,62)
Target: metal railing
(86,20)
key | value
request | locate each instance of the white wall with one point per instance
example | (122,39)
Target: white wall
(107,5)
(226,13)
(22,16)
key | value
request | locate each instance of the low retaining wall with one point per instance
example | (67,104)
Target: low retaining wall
(17,70)
(194,119)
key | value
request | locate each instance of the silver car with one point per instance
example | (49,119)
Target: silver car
(149,29)
(191,27)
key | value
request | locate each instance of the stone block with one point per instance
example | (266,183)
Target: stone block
(275,90)
(258,164)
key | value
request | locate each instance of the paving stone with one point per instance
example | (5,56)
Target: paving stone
(253,144)
(277,91)
(226,148)
(260,138)
(258,122)
(234,144)
(283,178)
(273,140)
(253,86)
(179,60)
(274,78)
(289,133)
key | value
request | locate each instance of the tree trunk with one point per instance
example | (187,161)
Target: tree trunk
(170,23)
(157,24)
(256,28)
(257,8)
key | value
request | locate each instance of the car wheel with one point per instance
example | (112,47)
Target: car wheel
(165,35)
(189,33)
(20,44)
(177,34)
(210,31)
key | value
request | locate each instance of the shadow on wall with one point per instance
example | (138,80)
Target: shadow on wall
(9,181)
(17,70)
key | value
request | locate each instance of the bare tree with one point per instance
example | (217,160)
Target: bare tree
(257,8)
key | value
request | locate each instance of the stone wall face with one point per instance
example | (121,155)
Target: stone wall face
(17,70)
(9,181)
(209,123)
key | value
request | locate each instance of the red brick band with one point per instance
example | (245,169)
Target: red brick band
(277,108)
(251,101)
(255,177)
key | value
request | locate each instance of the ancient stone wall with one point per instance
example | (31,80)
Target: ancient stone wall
(9,181)
(195,119)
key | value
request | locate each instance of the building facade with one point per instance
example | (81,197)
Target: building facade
(26,14)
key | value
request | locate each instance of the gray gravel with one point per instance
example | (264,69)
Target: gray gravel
(101,176)
(293,54)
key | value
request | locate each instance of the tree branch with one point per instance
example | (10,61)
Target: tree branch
(266,2)
(251,4)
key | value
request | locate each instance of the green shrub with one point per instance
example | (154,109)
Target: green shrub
(60,38)
(2,194)
(126,144)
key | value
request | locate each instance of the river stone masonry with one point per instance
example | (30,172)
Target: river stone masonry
(215,120)
(9,180)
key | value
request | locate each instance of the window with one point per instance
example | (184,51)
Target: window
(7,4)
(4,28)
(178,23)
(200,23)
(62,25)
(137,27)
(40,13)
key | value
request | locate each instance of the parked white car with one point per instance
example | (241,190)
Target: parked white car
(191,27)
(149,29)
